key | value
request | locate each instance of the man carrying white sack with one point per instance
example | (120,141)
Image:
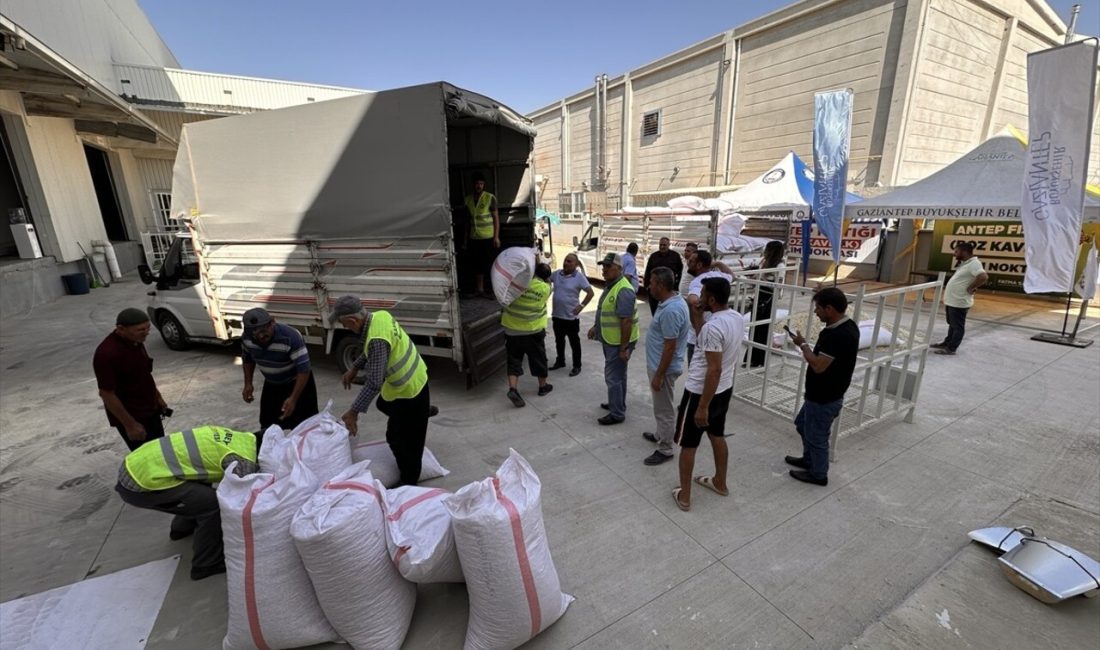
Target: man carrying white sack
(395,370)
(174,474)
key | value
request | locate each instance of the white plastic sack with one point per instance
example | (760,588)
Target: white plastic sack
(513,584)
(271,600)
(340,534)
(731,226)
(690,202)
(384,465)
(722,206)
(512,272)
(321,442)
(867,338)
(419,534)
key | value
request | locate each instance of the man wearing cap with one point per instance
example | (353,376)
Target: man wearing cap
(617,328)
(124,374)
(483,237)
(394,371)
(290,394)
(176,473)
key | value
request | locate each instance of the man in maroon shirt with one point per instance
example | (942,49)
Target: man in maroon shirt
(124,373)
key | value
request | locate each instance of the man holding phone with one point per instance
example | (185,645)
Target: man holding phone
(831,364)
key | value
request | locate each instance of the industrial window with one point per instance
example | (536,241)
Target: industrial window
(162,208)
(651,124)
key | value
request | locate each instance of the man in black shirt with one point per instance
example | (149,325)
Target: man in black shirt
(832,362)
(667,258)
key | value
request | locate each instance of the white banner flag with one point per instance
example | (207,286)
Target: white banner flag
(1060,88)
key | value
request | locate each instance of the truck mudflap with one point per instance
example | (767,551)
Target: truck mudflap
(483,344)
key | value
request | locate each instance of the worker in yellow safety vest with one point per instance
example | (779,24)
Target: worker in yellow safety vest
(174,474)
(482,238)
(524,322)
(396,373)
(617,328)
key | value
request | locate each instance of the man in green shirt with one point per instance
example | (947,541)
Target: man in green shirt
(958,297)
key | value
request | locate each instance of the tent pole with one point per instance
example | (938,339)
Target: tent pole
(1080,316)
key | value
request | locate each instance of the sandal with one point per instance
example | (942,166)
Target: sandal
(708,483)
(679,503)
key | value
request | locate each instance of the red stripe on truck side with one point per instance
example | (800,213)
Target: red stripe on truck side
(250,569)
(521,557)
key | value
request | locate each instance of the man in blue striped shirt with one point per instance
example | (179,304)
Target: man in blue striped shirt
(290,394)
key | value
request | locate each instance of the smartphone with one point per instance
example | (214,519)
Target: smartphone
(788,330)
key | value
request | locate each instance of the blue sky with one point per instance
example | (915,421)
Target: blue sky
(525,54)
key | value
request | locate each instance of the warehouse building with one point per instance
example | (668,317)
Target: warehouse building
(92,103)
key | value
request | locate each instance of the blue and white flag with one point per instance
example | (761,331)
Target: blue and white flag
(832,135)
(1061,83)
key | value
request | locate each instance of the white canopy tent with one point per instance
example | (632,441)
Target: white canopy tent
(984,184)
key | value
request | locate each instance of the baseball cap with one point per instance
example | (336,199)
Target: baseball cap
(345,306)
(255,318)
(612,258)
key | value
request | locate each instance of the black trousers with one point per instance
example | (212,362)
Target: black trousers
(154,428)
(532,346)
(760,332)
(271,404)
(406,430)
(567,329)
(195,506)
(956,326)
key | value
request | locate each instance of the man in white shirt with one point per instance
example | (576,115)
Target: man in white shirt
(702,266)
(958,297)
(708,389)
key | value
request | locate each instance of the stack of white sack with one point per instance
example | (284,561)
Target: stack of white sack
(321,444)
(271,599)
(512,272)
(419,534)
(513,584)
(340,534)
(689,202)
(384,465)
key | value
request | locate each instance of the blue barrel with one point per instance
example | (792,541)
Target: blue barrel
(76,284)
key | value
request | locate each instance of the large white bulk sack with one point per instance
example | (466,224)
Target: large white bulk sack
(384,466)
(271,599)
(689,202)
(340,534)
(513,585)
(320,441)
(721,206)
(419,534)
(512,272)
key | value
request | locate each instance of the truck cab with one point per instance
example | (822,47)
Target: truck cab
(178,303)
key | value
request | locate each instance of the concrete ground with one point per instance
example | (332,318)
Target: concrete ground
(1006,433)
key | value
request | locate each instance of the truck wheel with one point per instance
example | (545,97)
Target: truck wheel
(347,351)
(172,332)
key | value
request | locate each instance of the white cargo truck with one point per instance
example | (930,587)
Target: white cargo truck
(290,209)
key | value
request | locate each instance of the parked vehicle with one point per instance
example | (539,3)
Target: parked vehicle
(290,209)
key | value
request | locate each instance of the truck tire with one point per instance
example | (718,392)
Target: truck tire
(172,332)
(346,351)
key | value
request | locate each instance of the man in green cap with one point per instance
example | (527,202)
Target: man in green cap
(124,374)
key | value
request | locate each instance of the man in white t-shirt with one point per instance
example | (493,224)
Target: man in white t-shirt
(708,389)
(702,266)
(958,297)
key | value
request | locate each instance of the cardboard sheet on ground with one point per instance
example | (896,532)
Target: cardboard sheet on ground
(113,611)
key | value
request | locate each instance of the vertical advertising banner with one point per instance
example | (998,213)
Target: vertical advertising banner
(1061,83)
(832,135)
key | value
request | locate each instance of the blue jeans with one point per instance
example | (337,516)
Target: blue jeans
(814,422)
(614,375)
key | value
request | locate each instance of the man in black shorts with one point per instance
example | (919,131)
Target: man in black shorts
(708,389)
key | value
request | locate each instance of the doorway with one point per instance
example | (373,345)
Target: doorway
(11,192)
(105,193)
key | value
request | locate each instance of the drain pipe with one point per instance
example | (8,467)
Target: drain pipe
(597,164)
(108,253)
(1071,31)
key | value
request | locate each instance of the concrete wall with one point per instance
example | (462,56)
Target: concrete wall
(93,34)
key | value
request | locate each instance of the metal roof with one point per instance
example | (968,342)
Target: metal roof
(206,92)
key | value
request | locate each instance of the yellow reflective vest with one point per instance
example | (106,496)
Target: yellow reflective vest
(610,323)
(406,372)
(481,215)
(191,455)
(528,312)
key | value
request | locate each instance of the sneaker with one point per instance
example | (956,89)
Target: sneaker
(650,436)
(558,365)
(797,461)
(517,401)
(806,477)
(545,389)
(608,420)
(656,458)
(200,572)
(575,371)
